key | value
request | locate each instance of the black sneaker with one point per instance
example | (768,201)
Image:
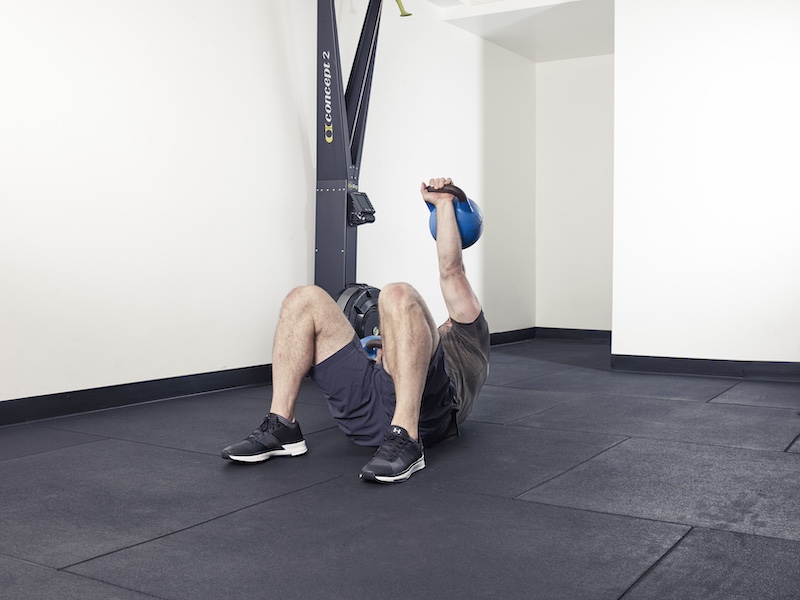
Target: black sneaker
(272,438)
(398,458)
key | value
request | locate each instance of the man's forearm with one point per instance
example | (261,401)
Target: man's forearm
(448,241)
(462,304)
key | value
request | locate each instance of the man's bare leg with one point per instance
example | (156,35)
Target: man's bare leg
(311,328)
(410,339)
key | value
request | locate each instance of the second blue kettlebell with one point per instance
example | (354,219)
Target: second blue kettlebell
(468,215)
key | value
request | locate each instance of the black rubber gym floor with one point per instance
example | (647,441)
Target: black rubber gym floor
(569,481)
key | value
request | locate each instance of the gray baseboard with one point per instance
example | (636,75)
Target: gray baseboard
(551,333)
(756,370)
(36,408)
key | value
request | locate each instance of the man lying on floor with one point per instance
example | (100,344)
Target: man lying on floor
(423,383)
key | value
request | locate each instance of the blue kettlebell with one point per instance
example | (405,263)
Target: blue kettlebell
(371,343)
(468,215)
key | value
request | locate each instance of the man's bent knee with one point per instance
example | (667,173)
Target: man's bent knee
(398,295)
(399,302)
(304,296)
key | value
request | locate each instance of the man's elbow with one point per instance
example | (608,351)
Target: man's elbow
(453,271)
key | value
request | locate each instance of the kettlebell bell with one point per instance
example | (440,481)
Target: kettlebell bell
(468,215)
(371,343)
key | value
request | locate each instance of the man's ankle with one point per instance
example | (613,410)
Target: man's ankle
(412,433)
(285,417)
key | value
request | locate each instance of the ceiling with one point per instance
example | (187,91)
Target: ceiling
(540,30)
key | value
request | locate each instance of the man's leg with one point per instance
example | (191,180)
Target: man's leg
(311,328)
(410,339)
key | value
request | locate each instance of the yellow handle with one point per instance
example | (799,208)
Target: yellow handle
(403,12)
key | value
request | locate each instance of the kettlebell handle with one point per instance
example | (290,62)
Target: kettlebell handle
(467,213)
(449,189)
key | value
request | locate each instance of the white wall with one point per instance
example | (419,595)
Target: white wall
(157,177)
(574,192)
(140,168)
(465,111)
(706,244)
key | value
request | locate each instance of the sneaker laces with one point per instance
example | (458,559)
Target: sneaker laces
(392,445)
(269,423)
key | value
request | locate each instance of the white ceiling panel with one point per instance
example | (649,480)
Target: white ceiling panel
(541,30)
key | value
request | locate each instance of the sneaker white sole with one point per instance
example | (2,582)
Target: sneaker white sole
(295,449)
(417,465)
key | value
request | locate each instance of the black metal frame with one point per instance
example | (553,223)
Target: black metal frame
(341,122)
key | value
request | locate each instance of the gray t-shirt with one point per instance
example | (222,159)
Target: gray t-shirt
(466,359)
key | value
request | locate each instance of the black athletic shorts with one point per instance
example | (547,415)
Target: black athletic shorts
(361,396)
